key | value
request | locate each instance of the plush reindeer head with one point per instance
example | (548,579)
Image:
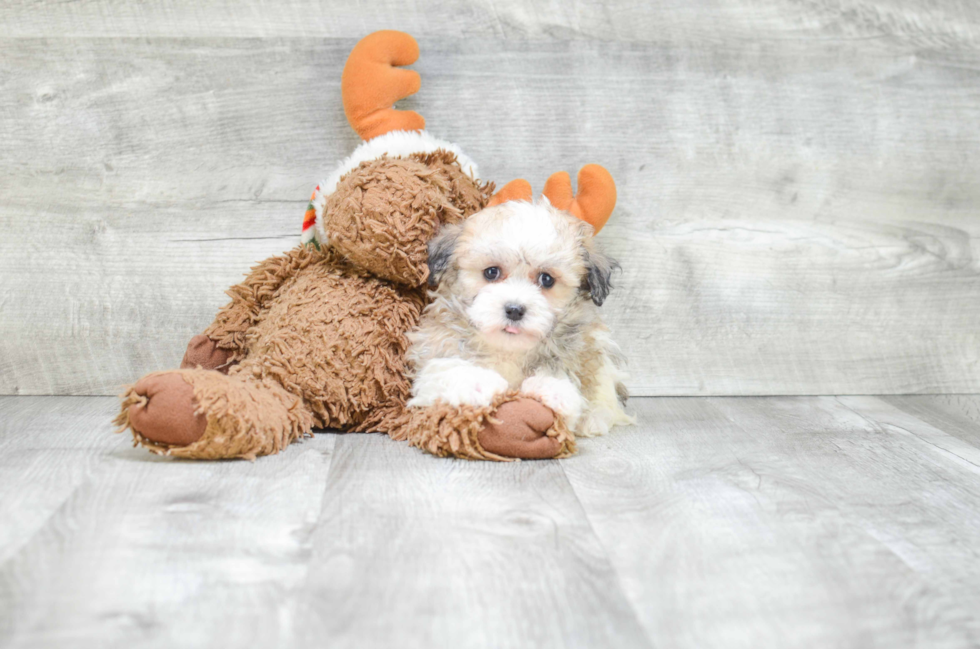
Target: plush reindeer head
(381,207)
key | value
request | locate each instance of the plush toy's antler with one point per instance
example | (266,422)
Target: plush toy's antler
(515,190)
(596,196)
(370,85)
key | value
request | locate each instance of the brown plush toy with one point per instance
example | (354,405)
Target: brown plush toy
(316,337)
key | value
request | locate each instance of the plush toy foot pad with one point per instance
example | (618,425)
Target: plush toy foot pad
(521,431)
(168,414)
(205,353)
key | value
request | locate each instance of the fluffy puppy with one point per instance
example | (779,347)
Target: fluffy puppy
(515,306)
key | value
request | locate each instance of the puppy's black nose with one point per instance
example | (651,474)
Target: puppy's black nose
(514,311)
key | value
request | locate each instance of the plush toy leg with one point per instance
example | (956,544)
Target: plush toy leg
(512,427)
(203,414)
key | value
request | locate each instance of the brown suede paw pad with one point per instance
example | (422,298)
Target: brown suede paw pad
(167,416)
(204,352)
(519,429)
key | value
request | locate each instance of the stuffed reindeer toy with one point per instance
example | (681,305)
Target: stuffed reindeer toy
(317,337)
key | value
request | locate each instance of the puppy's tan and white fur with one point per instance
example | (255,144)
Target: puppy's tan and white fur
(515,306)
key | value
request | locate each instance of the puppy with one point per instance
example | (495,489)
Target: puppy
(515,306)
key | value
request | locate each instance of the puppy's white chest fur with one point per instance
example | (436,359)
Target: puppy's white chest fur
(511,370)
(458,381)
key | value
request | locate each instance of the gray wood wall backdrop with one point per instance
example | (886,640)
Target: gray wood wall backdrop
(799,180)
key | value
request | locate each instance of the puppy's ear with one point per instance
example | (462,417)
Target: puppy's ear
(598,273)
(441,251)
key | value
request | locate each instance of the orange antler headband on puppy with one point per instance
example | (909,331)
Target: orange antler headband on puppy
(593,204)
(515,190)
(596,196)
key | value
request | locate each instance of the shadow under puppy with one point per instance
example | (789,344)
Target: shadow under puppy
(518,287)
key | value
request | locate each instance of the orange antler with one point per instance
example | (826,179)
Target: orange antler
(515,190)
(596,196)
(370,85)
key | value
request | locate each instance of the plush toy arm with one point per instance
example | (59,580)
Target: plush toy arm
(249,298)
(513,426)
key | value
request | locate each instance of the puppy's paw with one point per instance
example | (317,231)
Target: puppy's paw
(558,394)
(457,383)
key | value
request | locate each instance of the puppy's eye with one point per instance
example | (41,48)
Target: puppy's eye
(492,274)
(546,280)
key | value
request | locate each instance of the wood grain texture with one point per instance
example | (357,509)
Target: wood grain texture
(715,522)
(456,554)
(926,21)
(144,550)
(956,414)
(368,544)
(48,447)
(788,522)
(798,196)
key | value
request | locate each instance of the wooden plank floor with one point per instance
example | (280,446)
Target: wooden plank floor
(715,522)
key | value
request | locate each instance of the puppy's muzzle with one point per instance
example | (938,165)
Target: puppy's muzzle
(514,312)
